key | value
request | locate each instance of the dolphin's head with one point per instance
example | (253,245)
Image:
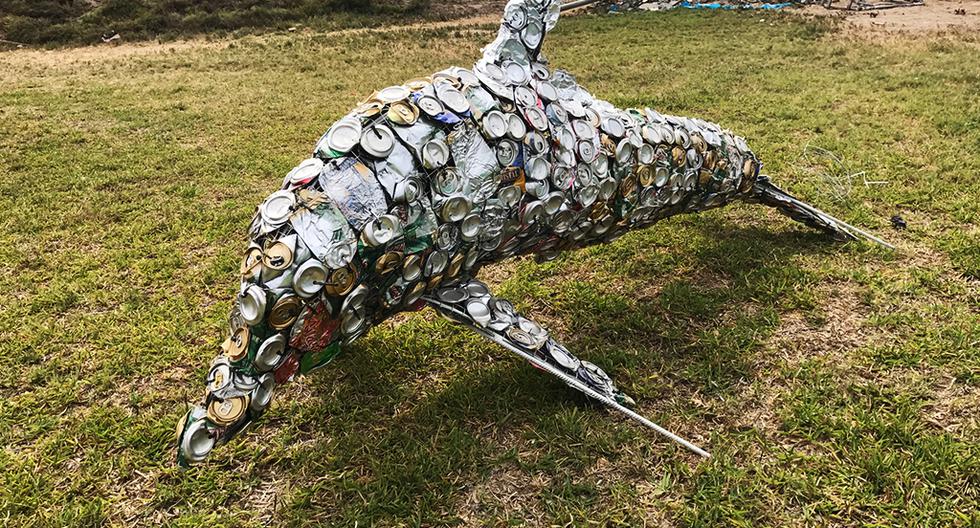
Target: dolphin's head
(309,285)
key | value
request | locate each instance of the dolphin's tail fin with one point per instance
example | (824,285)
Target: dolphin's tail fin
(766,193)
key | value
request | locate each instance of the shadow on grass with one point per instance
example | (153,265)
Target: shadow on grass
(396,467)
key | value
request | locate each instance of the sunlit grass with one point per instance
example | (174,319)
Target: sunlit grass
(834,384)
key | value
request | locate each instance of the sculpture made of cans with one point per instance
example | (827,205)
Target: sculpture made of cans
(405,198)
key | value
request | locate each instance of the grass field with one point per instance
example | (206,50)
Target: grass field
(836,385)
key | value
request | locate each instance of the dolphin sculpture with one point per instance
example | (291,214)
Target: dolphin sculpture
(410,194)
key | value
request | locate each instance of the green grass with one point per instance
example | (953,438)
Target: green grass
(61,22)
(836,385)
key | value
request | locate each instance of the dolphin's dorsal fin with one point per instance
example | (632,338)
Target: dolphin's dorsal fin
(471,304)
(522,31)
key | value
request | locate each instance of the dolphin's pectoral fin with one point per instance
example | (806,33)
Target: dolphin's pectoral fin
(766,193)
(470,303)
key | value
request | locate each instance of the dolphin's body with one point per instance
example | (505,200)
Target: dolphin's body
(409,195)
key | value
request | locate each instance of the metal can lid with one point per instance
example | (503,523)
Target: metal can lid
(470,227)
(436,263)
(251,304)
(309,278)
(537,118)
(356,299)
(533,211)
(679,156)
(627,185)
(537,168)
(509,195)
(280,255)
(607,188)
(378,141)
(418,84)
(515,15)
(562,177)
(447,181)
(472,256)
(275,210)
(525,96)
(388,263)
(403,113)
(197,442)
(262,394)
(456,208)
(304,172)
(340,282)
(506,152)
(464,76)
(236,346)
(414,293)
(646,154)
(651,134)
(453,295)
(352,322)
(515,73)
(478,311)
(536,142)
(452,98)
(613,126)
(624,152)
(251,260)
(435,154)
(553,202)
(412,268)
(344,134)
(368,109)
(285,311)
(430,105)
(228,411)
(270,353)
(447,237)
(516,128)
(586,150)
(495,124)
(394,94)
(455,265)
(532,34)
(645,175)
(583,129)
(547,91)
(661,176)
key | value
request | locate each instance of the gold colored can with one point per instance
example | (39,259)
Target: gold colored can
(252,258)
(599,211)
(722,164)
(369,108)
(711,159)
(278,257)
(412,267)
(421,83)
(236,346)
(228,411)
(403,113)
(434,282)
(705,177)
(679,155)
(285,311)
(340,282)
(387,263)
(455,265)
(699,144)
(748,168)
(628,185)
(645,175)
(445,77)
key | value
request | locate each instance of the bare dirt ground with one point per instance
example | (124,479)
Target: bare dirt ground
(936,16)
